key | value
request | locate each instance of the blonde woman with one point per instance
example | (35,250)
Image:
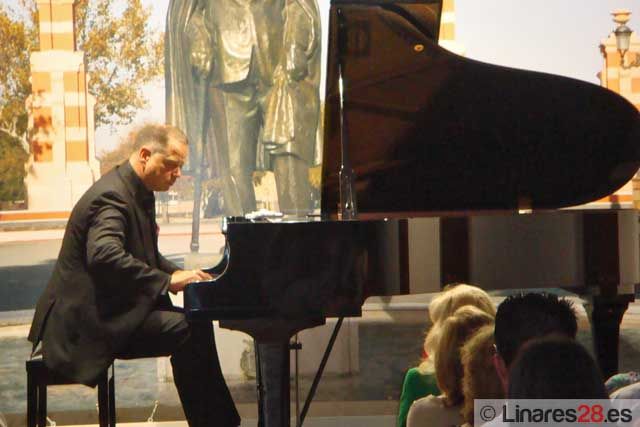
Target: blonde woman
(480,380)
(420,381)
(444,410)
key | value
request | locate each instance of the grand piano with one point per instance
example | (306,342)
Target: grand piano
(436,169)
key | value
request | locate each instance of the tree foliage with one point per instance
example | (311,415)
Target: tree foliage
(12,160)
(17,38)
(122,54)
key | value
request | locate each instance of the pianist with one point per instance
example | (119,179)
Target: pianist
(108,295)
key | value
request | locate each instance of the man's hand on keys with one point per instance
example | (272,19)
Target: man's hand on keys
(181,278)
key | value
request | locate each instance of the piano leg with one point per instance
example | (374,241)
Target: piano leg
(605,314)
(272,359)
(271,338)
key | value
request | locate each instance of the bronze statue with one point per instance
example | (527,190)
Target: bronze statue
(243,79)
(186,103)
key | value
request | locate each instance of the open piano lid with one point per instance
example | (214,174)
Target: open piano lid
(429,130)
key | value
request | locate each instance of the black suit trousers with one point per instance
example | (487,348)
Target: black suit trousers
(197,375)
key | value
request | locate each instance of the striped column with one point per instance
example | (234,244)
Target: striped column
(626,82)
(447,37)
(448,21)
(62,148)
(56,24)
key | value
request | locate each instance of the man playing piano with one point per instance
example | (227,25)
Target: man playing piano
(108,295)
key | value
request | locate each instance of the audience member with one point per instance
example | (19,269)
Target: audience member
(555,367)
(456,295)
(420,381)
(444,410)
(619,381)
(480,380)
(523,317)
(629,391)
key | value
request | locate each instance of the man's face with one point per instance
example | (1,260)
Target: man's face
(161,169)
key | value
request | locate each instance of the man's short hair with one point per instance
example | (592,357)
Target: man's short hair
(523,317)
(158,136)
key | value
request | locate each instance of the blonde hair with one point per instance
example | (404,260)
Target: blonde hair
(455,332)
(479,379)
(455,296)
(451,298)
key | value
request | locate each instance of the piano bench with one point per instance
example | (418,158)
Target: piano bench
(39,377)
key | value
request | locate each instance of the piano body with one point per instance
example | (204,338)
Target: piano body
(463,171)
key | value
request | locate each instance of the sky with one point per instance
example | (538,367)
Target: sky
(554,36)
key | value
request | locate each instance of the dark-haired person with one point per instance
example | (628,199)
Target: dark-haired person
(555,367)
(523,317)
(108,295)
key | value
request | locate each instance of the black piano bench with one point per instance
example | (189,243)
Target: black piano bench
(39,377)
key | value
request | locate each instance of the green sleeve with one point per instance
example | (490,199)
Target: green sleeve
(415,386)
(407,396)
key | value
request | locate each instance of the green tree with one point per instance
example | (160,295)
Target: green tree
(17,38)
(12,160)
(122,54)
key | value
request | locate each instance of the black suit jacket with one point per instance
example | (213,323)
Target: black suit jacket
(108,277)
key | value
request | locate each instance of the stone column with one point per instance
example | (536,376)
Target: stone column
(62,163)
(447,37)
